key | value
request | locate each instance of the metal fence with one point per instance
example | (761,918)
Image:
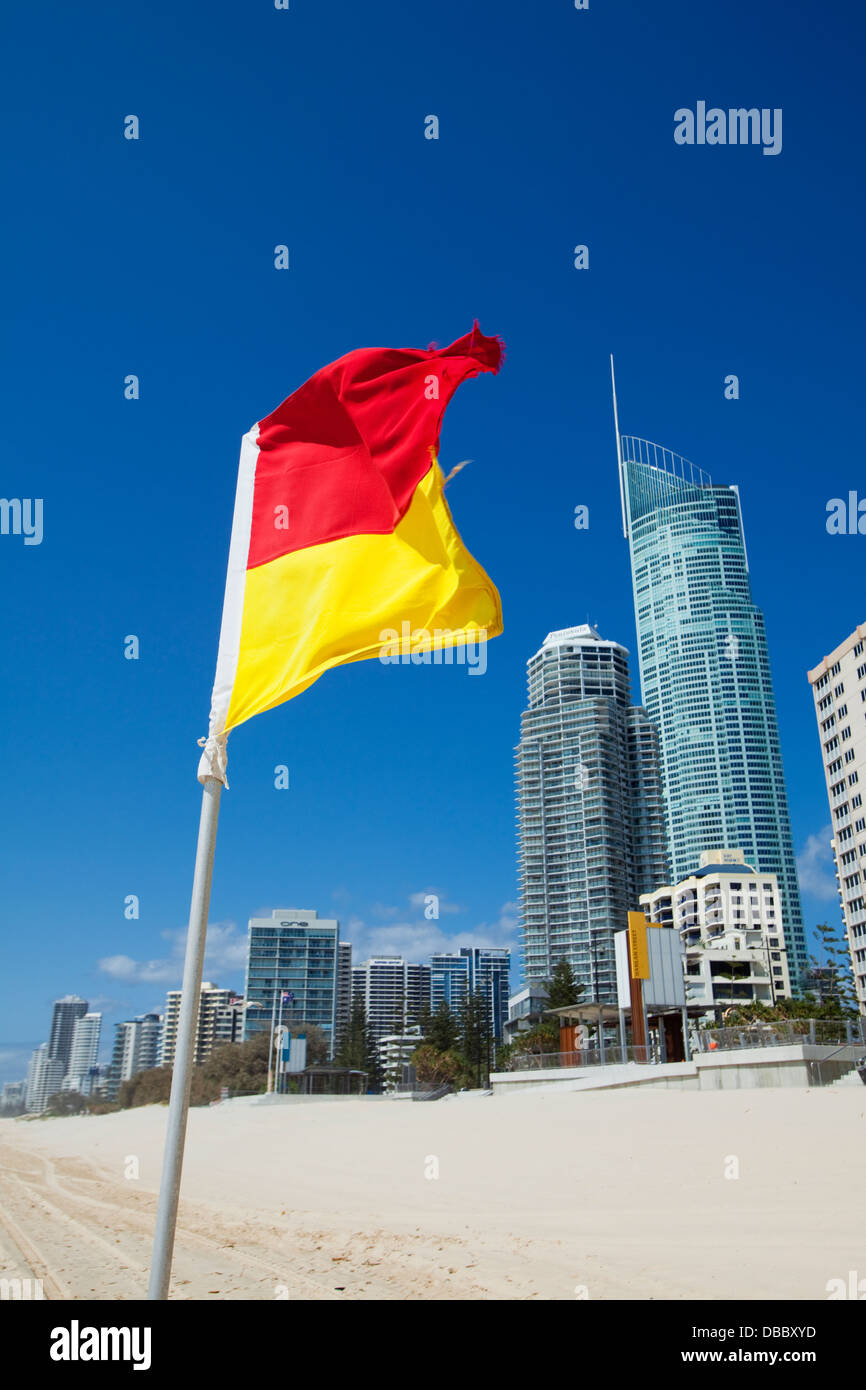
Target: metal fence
(437,1093)
(588,1057)
(820,1032)
(421,1091)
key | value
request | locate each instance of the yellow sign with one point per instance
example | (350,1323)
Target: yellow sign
(638,948)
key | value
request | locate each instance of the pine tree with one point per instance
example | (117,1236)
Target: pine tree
(475,1034)
(358,1048)
(400,1012)
(442,1032)
(563,988)
(352,1051)
(832,973)
(372,1062)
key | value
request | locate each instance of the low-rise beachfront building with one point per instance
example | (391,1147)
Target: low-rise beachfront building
(729,918)
(526,1009)
(13,1098)
(395,1052)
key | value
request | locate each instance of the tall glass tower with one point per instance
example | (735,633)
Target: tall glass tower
(66,1013)
(590,814)
(705,672)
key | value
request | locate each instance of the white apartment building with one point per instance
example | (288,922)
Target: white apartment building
(526,1009)
(13,1096)
(216,1022)
(136,1048)
(394,1051)
(44,1078)
(83,1053)
(394,992)
(730,922)
(839,690)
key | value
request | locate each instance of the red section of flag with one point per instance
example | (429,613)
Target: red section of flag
(344,454)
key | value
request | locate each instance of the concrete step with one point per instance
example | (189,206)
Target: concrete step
(851,1078)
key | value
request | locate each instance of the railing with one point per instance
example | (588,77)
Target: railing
(823,1032)
(816,1069)
(437,1093)
(840,1033)
(588,1057)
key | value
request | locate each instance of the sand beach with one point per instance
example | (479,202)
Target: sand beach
(538,1195)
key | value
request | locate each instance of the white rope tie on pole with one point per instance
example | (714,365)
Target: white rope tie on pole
(213,760)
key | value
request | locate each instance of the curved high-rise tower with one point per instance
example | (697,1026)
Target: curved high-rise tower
(705,672)
(590,818)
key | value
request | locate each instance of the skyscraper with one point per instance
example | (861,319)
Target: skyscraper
(217,1022)
(63,1019)
(295,952)
(470,970)
(393,990)
(83,1053)
(705,672)
(590,816)
(839,688)
(344,990)
(136,1048)
(44,1078)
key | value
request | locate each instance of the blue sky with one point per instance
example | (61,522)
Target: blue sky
(155,257)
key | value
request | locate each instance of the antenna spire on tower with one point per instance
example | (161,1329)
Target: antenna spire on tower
(618,449)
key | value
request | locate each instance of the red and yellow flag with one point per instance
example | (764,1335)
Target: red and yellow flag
(341,531)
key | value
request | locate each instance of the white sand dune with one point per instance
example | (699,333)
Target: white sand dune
(543,1194)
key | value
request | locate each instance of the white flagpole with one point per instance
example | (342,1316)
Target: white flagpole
(271,1048)
(279,1043)
(184,1057)
(212,775)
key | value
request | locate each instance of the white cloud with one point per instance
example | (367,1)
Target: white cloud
(138,972)
(226,948)
(226,954)
(417,940)
(815,867)
(104,1004)
(413,936)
